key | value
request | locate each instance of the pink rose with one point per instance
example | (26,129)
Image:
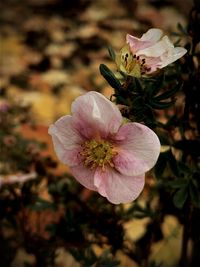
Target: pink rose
(145,55)
(104,154)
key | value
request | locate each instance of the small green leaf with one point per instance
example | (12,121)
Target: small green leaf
(194,194)
(110,77)
(180,197)
(182,29)
(42,204)
(111,53)
(168,93)
(178,183)
(153,86)
(160,105)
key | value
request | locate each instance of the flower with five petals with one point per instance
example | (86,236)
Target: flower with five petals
(104,154)
(145,55)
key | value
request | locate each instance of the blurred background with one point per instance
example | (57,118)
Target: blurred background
(50,51)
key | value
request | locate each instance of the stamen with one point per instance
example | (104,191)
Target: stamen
(97,153)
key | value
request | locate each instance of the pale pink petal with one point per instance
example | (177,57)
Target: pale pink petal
(152,35)
(66,140)
(175,54)
(100,181)
(118,188)
(136,44)
(69,156)
(94,114)
(84,176)
(148,39)
(138,149)
(157,49)
(153,63)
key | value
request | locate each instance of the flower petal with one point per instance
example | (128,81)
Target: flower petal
(176,53)
(148,39)
(118,188)
(158,49)
(93,114)
(138,149)
(153,63)
(84,176)
(66,141)
(136,44)
(152,35)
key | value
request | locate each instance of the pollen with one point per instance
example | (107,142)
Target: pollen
(97,153)
(132,64)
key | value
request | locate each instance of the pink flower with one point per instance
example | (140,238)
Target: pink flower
(104,154)
(143,56)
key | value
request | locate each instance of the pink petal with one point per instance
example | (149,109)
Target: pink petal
(148,39)
(153,63)
(118,188)
(136,44)
(69,157)
(84,176)
(175,54)
(138,149)
(100,181)
(152,35)
(157,49)
(93,114)
(66,140)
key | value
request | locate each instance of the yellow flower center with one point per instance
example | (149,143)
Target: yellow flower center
(97,153)
(131,64)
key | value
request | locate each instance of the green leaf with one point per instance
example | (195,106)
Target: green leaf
(180,197)
(42,204)
(110,77)
(160,105)
(178,183)
(137,85)
(111,53)
(168,93)
(194,194)
(153,85)
(182,29)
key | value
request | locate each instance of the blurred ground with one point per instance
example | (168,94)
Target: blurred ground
(50,51)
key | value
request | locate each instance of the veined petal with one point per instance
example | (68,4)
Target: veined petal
(66,140)
(152,35)
(158,49)
(175,54)
(153,63)
(69,156)
(137,44)
(138,149)
(94,114)
(84,176)
(118,188)
(148,39)
(100,181)
(129,164)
